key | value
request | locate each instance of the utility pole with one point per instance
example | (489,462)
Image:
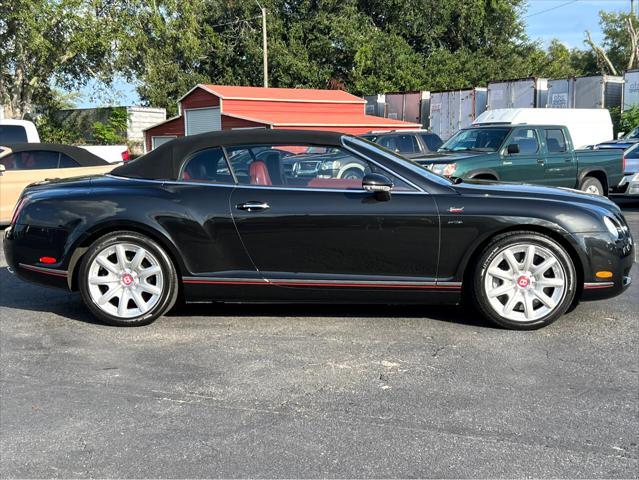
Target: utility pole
(265,46)
(264,43)
(632,7)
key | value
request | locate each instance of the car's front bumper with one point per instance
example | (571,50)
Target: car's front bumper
(629,186)
(607,271)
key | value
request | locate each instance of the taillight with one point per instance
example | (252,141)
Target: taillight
(125,156)
(17,210)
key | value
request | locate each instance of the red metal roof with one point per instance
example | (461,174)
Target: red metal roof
(337,119)
(280,94)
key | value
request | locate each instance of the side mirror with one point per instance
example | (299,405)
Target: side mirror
(378,184)
(512,149)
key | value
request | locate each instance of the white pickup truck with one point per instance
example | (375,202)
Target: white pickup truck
(24,131)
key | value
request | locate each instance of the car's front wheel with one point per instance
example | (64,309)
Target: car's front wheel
(524,281)
(127,279)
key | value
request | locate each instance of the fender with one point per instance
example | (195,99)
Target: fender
(83,241)
(540,225)
(485,171)
(587,171)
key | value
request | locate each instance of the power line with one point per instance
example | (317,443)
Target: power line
(551,8)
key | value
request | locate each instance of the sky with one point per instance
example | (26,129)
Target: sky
(565,20)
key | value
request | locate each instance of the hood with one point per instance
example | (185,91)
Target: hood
(516,190)
(444,157)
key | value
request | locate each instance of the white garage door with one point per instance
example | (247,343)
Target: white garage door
(200,120)
(157,141)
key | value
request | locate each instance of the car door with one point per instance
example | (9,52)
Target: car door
(326,231)
(525,163)
(21,169)
(561,165)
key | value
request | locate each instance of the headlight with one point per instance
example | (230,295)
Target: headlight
(612,226)
(447,169)
(331,165)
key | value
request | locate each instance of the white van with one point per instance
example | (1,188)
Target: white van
(587,126)
(18,131)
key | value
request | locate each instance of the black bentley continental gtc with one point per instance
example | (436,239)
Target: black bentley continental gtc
(302,216)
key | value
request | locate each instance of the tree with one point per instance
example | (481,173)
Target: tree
(619,50)
(45,42)
(363,46)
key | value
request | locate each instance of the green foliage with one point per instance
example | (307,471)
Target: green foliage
(616,41)
(50,129)
(113,131)
(629,119)
(61,42)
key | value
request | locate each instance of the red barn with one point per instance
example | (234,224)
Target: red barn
(208,108)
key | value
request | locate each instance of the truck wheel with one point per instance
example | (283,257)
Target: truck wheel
(524,281)
(591,185)
(126,279)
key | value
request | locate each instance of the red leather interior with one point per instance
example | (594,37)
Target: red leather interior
(259,173)
(339,183)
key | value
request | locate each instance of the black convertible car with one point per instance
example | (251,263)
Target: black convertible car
(186,221)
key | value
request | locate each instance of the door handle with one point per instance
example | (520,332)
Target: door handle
(541,161)
(253,206)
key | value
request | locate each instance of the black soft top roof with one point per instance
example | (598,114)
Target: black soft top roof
(164,162)
(80,155)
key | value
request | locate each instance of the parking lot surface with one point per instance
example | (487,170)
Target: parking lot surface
(316,391)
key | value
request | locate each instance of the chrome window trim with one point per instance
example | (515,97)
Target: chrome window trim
(259,187)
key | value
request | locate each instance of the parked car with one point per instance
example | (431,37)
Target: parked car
(587,126)
(625,141)
(24,131)
(109,153)
(410,144)
(132,241)
(629,184)
(535,154)
(18,131)
(22,164)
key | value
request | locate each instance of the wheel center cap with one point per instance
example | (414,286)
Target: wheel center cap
(523,281)
(127,279)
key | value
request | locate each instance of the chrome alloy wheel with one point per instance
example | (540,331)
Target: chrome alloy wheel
(525,282)
(592,189)
(125,280)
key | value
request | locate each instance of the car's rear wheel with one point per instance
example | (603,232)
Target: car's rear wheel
(127,279)
(591,185)
(524,281)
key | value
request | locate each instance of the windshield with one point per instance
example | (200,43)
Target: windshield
(478,139)
(632,134)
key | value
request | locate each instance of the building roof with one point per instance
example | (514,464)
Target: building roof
(164,162)
(312,119)
(278,94)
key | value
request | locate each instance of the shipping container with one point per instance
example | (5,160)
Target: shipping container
(376,105)
(561,93)
(453,110)
(631,89)
(408,106)
(600,91)
(519,93)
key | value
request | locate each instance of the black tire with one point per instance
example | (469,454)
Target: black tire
(496,247)
(169,291)
(590,184)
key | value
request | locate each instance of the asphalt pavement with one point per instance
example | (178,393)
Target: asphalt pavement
(316,391)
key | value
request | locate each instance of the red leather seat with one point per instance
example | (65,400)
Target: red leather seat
(259,173)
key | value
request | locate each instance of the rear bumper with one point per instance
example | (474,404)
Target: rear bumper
(24,246)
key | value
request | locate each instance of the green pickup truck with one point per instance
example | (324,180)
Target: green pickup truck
(537,154)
